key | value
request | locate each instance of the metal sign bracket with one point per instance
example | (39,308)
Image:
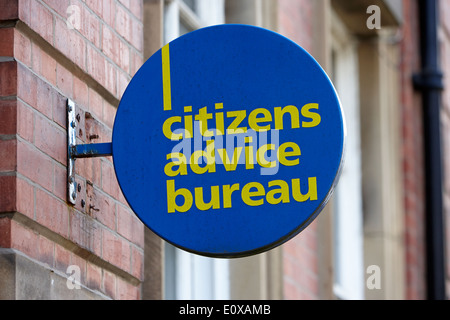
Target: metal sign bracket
(75,151)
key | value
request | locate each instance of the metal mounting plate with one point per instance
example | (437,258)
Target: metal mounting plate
(75,151)
(71,142)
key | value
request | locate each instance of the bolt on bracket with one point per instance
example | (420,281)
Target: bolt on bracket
(75,151)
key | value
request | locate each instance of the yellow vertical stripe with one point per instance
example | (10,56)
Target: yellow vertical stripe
(167,91)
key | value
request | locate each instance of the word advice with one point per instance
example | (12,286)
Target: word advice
(205,161)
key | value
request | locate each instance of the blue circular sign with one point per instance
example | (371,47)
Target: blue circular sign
(229,141)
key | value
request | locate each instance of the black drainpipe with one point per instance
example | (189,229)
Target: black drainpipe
(429,82)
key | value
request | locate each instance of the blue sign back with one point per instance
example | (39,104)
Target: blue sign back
(229,141)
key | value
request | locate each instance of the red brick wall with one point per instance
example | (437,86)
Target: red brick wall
(296,21)
(445,64)
(413,160)
(45,63)
(300,274)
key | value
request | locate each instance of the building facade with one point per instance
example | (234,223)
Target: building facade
(372,241)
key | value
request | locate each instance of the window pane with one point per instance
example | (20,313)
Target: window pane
(191,4)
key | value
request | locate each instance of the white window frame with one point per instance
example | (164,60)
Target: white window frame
(205,13)
(188,276)
(348,213)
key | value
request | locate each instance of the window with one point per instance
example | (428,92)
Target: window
(189,276)
(348,214)
(183,16)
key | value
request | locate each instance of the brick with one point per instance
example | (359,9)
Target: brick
(123,23)
(137,38)
(137,263)
(413,160)
(95,128)
(129,226)
(96,6)
(125,3)
(116,49)
(8,155)
(60,182)
(8,78)
(42,21)
(90,26)
(86,232)
(101,207)
(5,232)
(108,11)
(24,10)
(95,64)
(50,139)
(44,65)
(136,62)
(8,187)
(52,213)
(94,277)
(110,43)
(109,114)
(95,104)
(309,237)
(135,6)
(124,57)
(9,10)
(64,80)
(70,43)
(122,199)
(8,117)
(27,86)
(61,41)
(25,122)
(126,291)
(38,116)
(123,82)
(90,170)
(46,251)
(60,6)
(110,78)
(297,15)
(80,92)
(109,180)
(36,53)
(44,98)
(25,198)
(24,240)
(59,108)
(116,250)
(6,41)
(62,258)
(34,165)
(109,284)
(22,48)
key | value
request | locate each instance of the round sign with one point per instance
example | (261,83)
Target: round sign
(228,141)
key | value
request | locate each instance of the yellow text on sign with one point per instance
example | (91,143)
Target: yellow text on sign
(287,154)
(252,194)
(258,120)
